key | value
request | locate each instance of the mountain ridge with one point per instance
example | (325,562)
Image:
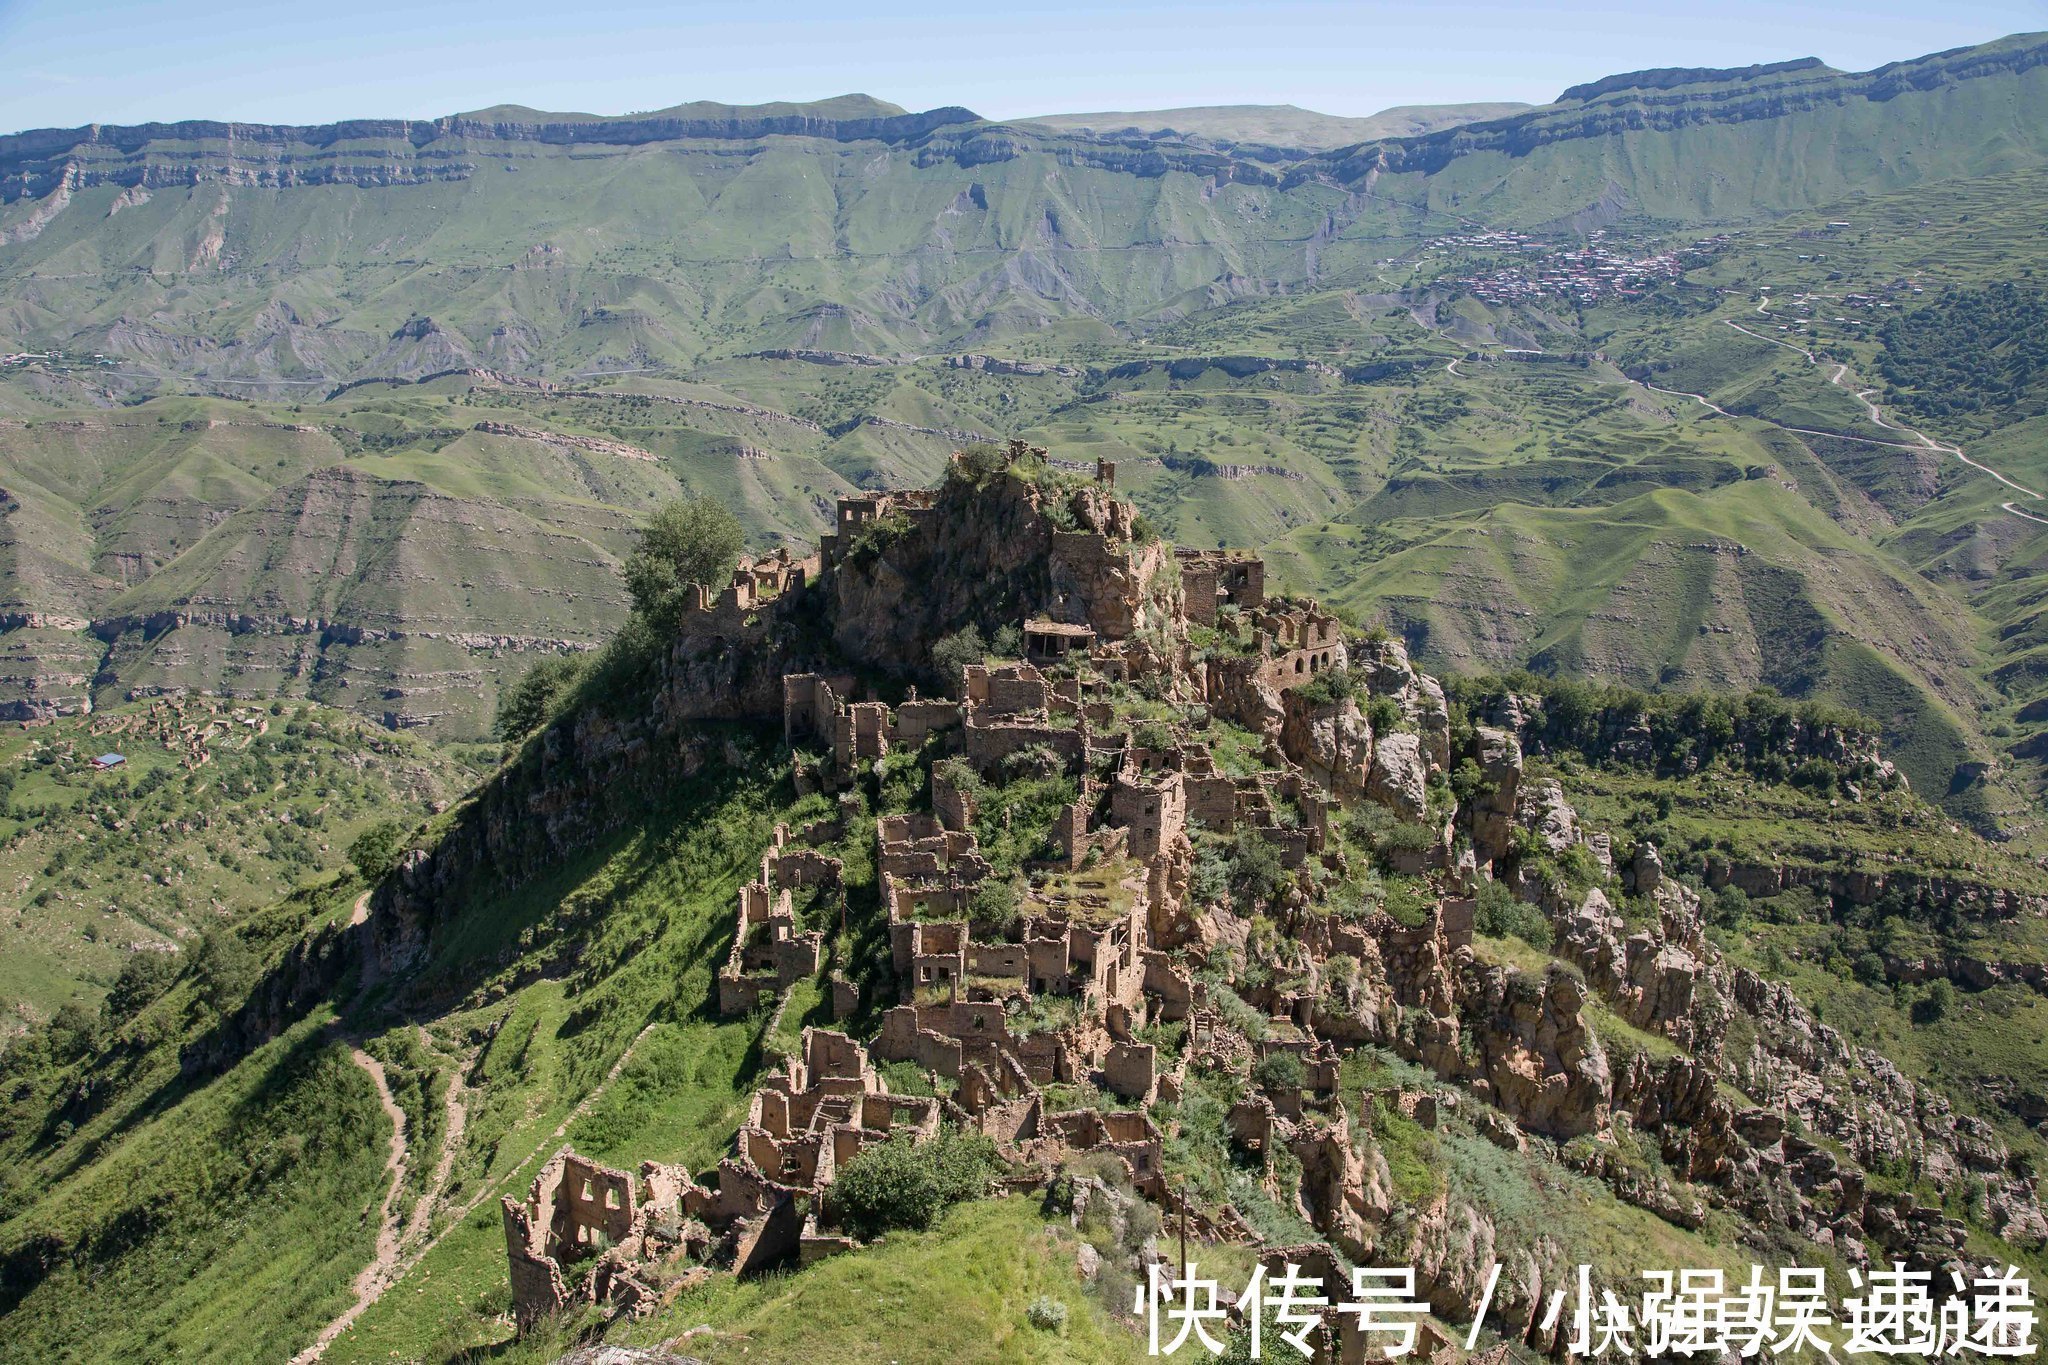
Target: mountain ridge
(50,162)
(1276,125)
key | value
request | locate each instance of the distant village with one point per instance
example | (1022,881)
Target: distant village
(19,359)
(1587,272)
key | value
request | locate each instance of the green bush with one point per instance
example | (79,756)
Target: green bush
(526,705)
(1936,1005)
(1408,902)
(995,904)
(227,968)
(953,653)
(1257,875)
(1502,914)
(1582,871)
(1047,1314)
(1330,687)
(898,1184)
(1279,1071)
(375,851)
(144,977)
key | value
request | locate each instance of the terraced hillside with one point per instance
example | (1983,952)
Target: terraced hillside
(366,413)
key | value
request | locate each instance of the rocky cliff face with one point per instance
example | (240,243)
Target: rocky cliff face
(988,556)
(379,152)
(1671,100)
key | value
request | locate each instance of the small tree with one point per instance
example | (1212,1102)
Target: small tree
(1257,875)
(143,978)
(690,540)
(526,705)
(953,653)
(1279,1071)
(226,968)
(375,851)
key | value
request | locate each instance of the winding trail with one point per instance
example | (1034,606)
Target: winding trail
(388,1269)
(371,1281)
(1921,440)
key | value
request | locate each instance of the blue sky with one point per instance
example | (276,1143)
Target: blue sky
(69,62)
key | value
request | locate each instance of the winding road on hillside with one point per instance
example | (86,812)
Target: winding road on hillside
(1920,441)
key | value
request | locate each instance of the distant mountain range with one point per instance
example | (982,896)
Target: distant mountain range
(1276,125)
(478,347)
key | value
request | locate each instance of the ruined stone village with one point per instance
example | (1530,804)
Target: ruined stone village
(1136,673)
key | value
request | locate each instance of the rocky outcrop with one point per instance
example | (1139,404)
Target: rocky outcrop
(1543,809)
(1399,776)
(1331,741)
(1536,1058)
(1492,810)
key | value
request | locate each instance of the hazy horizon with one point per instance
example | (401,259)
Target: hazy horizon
(153,61)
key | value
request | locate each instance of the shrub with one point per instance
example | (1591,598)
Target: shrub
(1502,914)
(1329,688)
(375,851)
(1937,1003)
(995,904)
(1047,1314)
(1817,775)
(227,968)
(1582,871)
(689,540)
(1407,902)
(1731,906)
(897,1184)
(526,705)
(1279,1071)
(977,463)
(1153,734)
(953,653)
(144,977)
(1469,781)
(1404,836)
(1256,873)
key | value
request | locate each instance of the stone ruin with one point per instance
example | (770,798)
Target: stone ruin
(1107,924)
(770,953)
(589,1233)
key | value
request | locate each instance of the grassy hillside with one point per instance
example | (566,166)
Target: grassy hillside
(1269,354)
(216,812)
